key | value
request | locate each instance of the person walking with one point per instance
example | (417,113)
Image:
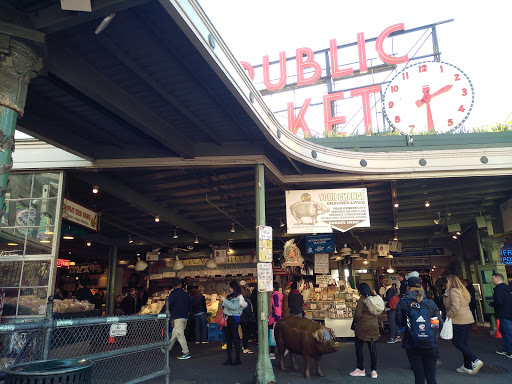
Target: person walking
(295,301)
(503,311)
(129,303)
(179,307)
(247,321)
(276,312)
(366,328)
(232,306)
(198,309)
(403,284)
(391,303)
(456,301)
(418,315)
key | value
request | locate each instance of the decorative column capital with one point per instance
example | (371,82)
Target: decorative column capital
(18,65)
(492,246)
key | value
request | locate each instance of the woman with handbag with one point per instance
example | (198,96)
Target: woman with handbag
(456,301)
(391,299)
(232,307)
(366,328)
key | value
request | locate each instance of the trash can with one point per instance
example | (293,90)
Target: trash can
(76,371)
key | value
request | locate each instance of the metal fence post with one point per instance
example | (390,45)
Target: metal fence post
(48,325)
(167,343)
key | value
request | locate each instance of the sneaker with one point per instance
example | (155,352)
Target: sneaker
(358,372)
(272,356)
(502,353)
(477,364)
(246,350)
(398,338)
(463,369)
(509,355)
(197,342)
(392,341)
(374,374)
(184,357)
(224,346)
(204,342)
(438,364)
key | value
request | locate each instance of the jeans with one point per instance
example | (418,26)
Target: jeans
(393,328)
(201,328)
(359,354)
(178,333)
(506,334)
(460,341)
(246,332)
(223,335)
(423,364)
(233,338)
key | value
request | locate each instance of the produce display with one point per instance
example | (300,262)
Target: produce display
(28,305)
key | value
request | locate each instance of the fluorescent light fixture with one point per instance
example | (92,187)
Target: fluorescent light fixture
(68,237)
(12,244)
(44,241)
(104,23)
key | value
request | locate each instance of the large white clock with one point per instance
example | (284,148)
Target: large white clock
(430,96)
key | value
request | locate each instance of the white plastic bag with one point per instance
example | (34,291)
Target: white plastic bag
(447,331)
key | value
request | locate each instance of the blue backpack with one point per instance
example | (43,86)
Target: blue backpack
(418,324)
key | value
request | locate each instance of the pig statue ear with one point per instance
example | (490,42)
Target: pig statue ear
(318,335)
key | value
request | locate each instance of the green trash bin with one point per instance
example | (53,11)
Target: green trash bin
(75,371)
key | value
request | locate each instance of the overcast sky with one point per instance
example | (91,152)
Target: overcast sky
(478,41)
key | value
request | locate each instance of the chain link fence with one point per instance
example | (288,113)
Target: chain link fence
(126,349)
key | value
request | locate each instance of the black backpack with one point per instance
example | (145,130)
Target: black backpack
(418,324)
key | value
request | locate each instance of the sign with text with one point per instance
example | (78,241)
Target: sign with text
(320,243)
(93,269)
(265,244)
(323,280)
(118,329)
(63,263)
(80,215)
(220,255)
(321,210)
(265,277)
(322,263)
(422,261)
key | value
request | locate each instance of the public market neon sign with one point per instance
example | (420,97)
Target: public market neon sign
(305,59)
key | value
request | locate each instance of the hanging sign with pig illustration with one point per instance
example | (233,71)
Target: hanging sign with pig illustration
(321,210)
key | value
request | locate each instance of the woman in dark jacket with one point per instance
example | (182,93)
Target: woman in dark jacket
(199,311)
(394,335)
(423,360)
(366,327)
(295,301)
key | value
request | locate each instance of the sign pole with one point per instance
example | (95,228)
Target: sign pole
(264,373)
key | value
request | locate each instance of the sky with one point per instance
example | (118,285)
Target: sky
(477,41)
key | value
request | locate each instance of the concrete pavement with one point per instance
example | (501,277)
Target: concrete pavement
(205,366)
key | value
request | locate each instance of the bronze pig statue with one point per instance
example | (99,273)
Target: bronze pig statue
(304,337)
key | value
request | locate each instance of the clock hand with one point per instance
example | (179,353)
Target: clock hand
(446,88)
(430,121)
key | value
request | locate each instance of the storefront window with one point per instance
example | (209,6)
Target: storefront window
(27,245)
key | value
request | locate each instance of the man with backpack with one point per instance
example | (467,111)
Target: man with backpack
(503,310)
(420,317)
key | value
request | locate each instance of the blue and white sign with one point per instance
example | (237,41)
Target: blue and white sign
(323,243)
(506,255)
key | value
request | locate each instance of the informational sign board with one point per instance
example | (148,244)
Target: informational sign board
(322,263)
(118,329)
(265,244)
(323,243)
(167,275)
(422,261)
(265,277)
(152,256)
(220,255)
(80,215)
(321,210)
(156,276)
(93,269)
(383,249)
(323,280)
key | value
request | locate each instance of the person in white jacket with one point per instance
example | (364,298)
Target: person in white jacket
(232,307)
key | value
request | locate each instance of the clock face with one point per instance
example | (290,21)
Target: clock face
(429,96)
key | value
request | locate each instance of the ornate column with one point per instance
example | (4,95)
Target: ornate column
(492,246)
(18,65)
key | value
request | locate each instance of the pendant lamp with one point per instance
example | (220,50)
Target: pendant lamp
(364,251)
(178,264)
(211,263)
(140,265)
(345,249)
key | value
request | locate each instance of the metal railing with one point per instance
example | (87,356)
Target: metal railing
(125,349)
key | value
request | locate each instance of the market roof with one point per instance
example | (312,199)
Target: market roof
(160,109)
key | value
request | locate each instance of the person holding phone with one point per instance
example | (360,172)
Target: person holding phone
(232,307)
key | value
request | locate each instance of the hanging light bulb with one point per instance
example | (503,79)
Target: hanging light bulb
(395,238)
(196,241)
(229,248)
(396,205)
(175,236)
(157,219)
(390,270)
(365,262)
(427,204)
(281,224)
(211,263)
(454,237)
(232,230)
(178,264)
(95,189)
(88,243)
(130,240)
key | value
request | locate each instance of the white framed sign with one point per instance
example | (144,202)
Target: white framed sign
(323,280)
(265,277)
(118,329)
(321,210)
(322,263)
(265,244)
